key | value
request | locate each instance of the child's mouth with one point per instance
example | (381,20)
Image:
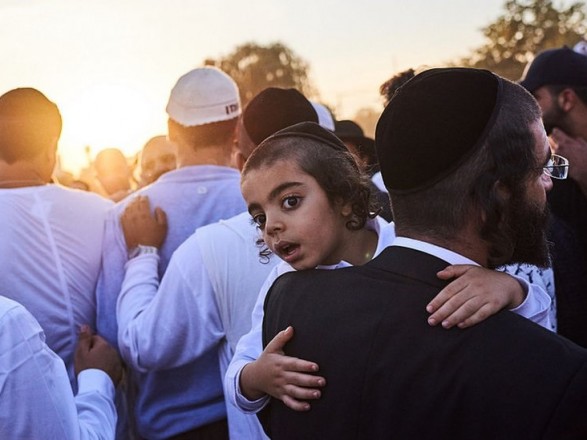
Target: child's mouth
(287,251)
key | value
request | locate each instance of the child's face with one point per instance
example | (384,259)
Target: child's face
(298,222)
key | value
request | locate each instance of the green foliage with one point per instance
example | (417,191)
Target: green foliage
(524,29)
(255,67)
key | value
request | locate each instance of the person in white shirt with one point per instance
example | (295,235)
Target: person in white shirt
(50,236)
(36,400)
(207,293)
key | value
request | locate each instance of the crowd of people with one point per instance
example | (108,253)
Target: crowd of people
(274,273)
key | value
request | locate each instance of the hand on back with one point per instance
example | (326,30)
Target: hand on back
(475,294)
(94,352)
(286,378)
(140,226)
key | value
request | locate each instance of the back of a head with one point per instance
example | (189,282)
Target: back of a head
(271,110)
(29,124)
(203,106)
(553,67)
(445,139)
(112,170)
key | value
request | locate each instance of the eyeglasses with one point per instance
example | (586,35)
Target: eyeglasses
(557,167)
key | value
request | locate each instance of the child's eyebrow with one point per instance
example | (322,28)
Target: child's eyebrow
(273,194)
(282,187)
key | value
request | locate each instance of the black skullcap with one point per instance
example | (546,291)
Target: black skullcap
(274,109)
(435,122)
(561,66)
(351,131)
(309,130)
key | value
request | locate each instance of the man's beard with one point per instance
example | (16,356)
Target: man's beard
(553,119)
(528,223)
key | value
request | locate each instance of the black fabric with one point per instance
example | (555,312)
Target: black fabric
(562,66)
(390,375)
(273,109)
(212,431)
(433,124)
(350,130)
(309,130)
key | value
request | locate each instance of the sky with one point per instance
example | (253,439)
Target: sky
(109,64)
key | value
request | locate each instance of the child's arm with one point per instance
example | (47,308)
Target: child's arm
(477,293)
(286,378)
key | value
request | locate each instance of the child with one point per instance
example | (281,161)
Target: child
(307,195)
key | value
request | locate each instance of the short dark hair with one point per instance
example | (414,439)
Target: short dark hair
(388,88)
(580,91)
(214,133)
(336,171)
(507,156)
(29,124)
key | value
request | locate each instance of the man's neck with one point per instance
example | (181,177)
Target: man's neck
(20,174)
(209,155)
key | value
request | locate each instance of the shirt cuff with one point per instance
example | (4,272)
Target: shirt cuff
(93,379)
(246,405)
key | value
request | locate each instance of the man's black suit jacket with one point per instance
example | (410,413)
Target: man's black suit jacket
(390,375)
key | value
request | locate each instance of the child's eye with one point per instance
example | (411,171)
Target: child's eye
(259,220)
(290,202)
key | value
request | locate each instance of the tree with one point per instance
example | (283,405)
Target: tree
(255,67)
(524,29)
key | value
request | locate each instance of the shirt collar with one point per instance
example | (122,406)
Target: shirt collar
(431,249)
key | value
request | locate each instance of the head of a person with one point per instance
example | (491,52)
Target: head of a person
(462,153)
(361,146)
(306,193)
(30,126)
(112,171)
(388,88)
(203,109)
(158,156)
(271,110)
(558,80)
(325,118)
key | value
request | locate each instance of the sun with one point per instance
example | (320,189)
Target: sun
(107,115)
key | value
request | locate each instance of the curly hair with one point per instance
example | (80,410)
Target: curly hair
(336,171)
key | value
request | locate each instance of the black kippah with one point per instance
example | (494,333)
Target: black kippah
(434,123)
(274,109)
(309,130)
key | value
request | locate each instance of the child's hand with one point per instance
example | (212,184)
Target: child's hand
(142,227)
(474,295)
(285,378)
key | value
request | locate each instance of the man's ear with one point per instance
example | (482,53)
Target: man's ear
(501,192)
(567,99)
(172,134)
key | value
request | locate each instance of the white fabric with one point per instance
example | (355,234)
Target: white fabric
(250,347)
(206,296)
(540,277)
(36,400)
(377,179)
(50,250)
(192,196)
(202,96)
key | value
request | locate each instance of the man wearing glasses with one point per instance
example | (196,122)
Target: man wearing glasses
(467,163)
(558,80)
